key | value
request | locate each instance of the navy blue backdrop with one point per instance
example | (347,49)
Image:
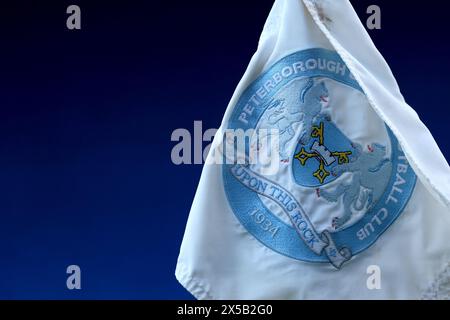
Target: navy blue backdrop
(86,118)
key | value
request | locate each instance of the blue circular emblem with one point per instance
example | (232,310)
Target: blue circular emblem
(362,188)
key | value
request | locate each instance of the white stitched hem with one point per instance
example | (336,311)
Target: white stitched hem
(194,286)
(439,289)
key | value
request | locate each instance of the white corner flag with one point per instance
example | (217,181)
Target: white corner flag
(354,202)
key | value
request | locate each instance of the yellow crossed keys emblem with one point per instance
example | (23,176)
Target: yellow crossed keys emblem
(321,153)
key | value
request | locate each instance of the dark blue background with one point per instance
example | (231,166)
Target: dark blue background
(86,119)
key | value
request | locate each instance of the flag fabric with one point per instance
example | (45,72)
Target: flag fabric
(358,207)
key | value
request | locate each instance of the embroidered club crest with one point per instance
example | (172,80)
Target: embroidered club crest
(342,181)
